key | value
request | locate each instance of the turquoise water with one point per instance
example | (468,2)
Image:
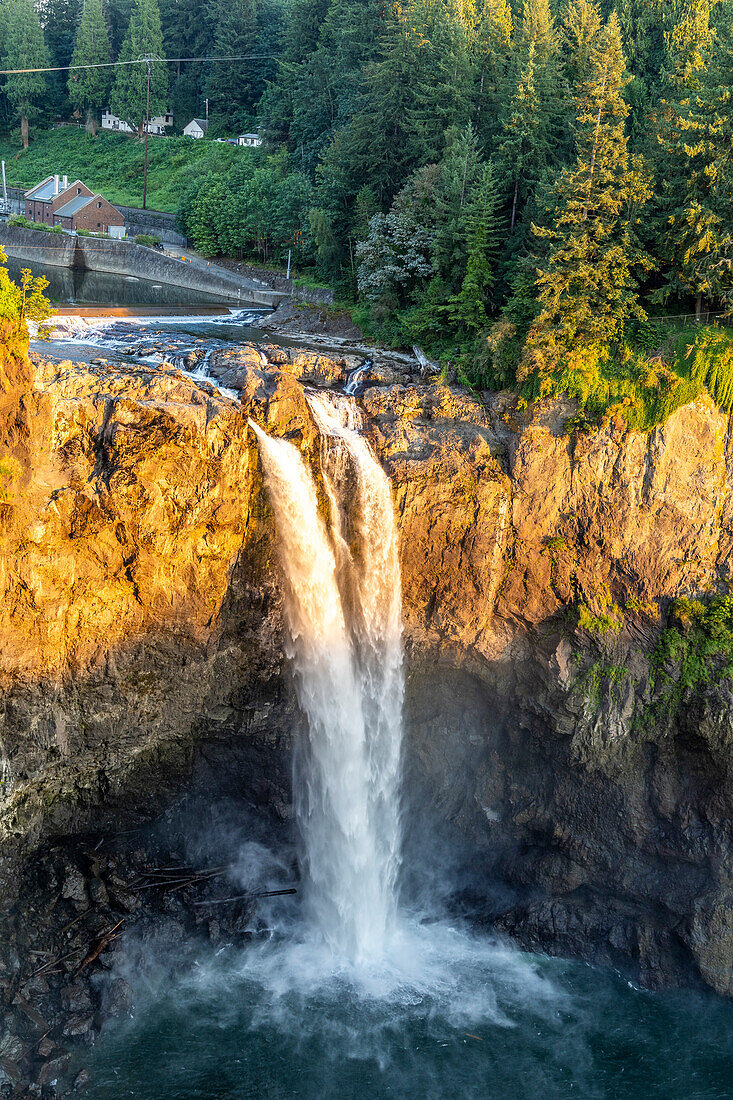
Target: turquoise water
(446,1015)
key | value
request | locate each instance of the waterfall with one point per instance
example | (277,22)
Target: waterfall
(342,600)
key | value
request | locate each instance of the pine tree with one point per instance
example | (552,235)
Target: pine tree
(581,28)
(525,146)
(469,307)
(538,26)
(24,48)
(586,283)
(89,88)
(234,87)
(688,42)
(302,29)
(492,46)
(59,20)
(460,171)
(144,38)
(698,179)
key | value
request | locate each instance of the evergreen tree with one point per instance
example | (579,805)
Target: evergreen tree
(460,171)
(89,88)
(698,180)
(144,38)
(468,309)
(117,14)
(538,27)
(302,29)
(492,40)
(688,42)
(581,29)
(59,20)
(188,31)
(525,147)
(24,48)
(234,87)
(586,282)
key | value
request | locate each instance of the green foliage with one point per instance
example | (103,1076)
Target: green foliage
(144,38)
(586,282)
(89,88)
(147,239)
(24,223)
(602,676)
(23,304)
(112,164)
(23,48)
(604,623)
(694,649)
(696,131)
(232,83)
(259,207)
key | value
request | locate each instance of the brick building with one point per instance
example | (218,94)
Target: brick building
(44,199)
(55,202)
(90,212)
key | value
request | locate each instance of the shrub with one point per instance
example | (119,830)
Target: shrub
(147,239)
(695,648)
(21,221)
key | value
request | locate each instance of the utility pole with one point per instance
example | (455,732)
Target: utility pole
(148,61)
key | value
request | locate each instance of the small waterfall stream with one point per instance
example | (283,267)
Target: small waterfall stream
(342,588)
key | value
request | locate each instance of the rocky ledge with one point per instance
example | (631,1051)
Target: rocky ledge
(142,634)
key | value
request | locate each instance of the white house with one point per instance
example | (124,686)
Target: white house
(196,128)
(249,139)
(155,126)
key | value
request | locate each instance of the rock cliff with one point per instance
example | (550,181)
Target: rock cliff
(141,633)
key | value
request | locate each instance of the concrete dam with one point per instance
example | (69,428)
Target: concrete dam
(134,260)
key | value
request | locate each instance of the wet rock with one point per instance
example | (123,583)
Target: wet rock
(118,998)
(82,1080)
(12,1047)
(98,892)
(74,887)
(77,1026)
(76,999)
(53,1071)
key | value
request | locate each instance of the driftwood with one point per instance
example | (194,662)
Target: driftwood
(248,897)
(101,944)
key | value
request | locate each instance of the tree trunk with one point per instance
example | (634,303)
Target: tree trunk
(698,306)
(24,130)
(91,126)
(514,204)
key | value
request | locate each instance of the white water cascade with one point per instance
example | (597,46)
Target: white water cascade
(342,589)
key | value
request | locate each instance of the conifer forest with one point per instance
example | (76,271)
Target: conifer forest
(540,193)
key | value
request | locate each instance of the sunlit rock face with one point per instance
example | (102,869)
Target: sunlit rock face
(142,631)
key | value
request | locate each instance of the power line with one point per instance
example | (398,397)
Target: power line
(139,61)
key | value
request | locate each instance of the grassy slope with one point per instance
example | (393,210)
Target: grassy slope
(113,163)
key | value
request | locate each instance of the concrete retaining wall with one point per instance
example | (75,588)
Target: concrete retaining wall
(127,258)
(316,296)
(33,245)
(154,222)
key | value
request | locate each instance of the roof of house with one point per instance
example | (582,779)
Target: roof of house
(46,189)
(249,135)
(75,205)
(201,122)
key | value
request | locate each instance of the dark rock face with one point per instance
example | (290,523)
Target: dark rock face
(620,862)
(142,647)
